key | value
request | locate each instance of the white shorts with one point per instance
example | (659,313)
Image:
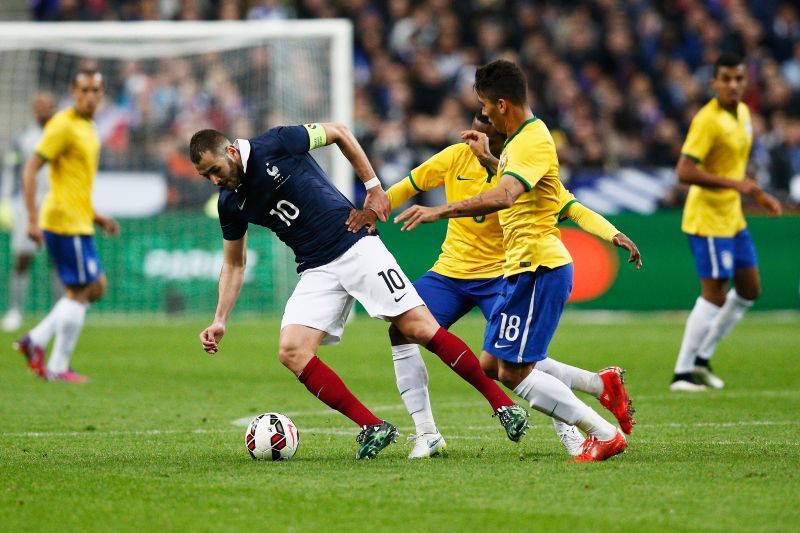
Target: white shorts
(366,272)
(21,244)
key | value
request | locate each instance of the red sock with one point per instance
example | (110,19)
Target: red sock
(323,383)
(460,358)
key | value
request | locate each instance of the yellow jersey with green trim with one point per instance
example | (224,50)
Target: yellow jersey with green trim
(530,236)
(473,247)
(72,149)
(719,142)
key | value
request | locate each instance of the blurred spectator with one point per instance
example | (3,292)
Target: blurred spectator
(616,80)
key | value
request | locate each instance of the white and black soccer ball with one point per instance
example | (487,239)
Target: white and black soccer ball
(272,436)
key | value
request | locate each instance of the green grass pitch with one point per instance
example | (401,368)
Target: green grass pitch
(150,443)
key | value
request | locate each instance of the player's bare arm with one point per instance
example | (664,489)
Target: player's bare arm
(690,174)
(478,142)
(621,240)
(352,150)
(108,225)
(32,166)
(231,279)
(501,197)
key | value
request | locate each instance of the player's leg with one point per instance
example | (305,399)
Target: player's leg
(23,250)
(524,321)
(82,274)
(746,289)
(316,314)
(714,262)
(65,255)
(446,304)
(19,280)
(377,281)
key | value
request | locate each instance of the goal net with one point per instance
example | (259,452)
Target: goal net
(164,81)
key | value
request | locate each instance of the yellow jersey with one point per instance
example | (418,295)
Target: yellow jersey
(719,142)
(72,148)
(473,247)
(530,236)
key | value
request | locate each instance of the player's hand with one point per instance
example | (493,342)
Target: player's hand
(771,204)
(107,224)
(357,219)
(35,233)
(416,215)
(478,142)
(749,187)
(622,241)
(211,336)
(378,202)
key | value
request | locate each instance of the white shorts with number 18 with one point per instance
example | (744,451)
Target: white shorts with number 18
(366,272)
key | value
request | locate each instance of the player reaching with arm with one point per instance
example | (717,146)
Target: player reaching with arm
(537,269)
(66,224)
(713,162)
(272,181)
(469,274)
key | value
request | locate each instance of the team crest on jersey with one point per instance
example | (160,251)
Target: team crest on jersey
(503,160)
(278,178)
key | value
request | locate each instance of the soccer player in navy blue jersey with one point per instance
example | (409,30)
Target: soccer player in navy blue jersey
(272,181)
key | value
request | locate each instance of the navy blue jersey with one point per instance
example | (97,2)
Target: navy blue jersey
(285,190)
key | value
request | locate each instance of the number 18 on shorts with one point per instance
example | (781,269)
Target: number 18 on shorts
(526,314)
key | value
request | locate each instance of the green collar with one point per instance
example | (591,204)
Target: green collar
(529,121)
(734,111)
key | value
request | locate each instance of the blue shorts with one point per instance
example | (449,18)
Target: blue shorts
(75,258)
(526,314)
(449,299)
(720,257)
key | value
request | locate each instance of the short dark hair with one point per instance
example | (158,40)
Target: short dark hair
(204,141)
(727,60)
(89,73)
(502,79)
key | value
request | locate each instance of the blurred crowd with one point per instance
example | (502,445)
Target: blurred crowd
(616,81)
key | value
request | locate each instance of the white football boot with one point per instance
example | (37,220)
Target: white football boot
(570,437)
(428,445)
(705,375)
(684,385)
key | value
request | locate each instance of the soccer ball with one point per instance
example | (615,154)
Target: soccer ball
(271,436)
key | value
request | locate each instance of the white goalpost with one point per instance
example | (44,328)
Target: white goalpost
(165,80)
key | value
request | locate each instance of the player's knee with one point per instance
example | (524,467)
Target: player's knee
(508,377)
(293,357)
(396,337)
(750,292)
(489,366)
(97,289)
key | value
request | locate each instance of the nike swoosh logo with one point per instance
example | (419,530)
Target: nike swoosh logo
(400,298)
(431,444)
(502,345)
(454,363)
(459,178)
(242,206)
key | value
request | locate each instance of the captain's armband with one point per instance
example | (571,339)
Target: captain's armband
(316,136)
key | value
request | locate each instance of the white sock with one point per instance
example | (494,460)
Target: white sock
(412,383)
(573,377)
(18,289)
(729,315)
(697,326)
(69,324)
(44,330)
(552,397)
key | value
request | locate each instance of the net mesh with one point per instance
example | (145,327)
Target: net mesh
(158,92)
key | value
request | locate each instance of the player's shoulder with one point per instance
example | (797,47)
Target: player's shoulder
(454,152)
(532,132)
(63,118)
(226,202)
